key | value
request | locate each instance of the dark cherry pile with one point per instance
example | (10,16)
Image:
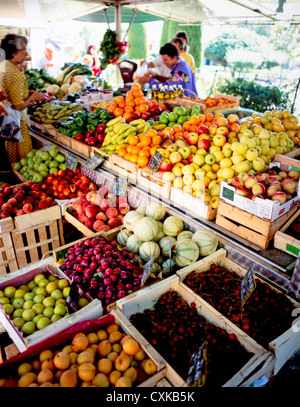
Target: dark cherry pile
(264,316)
(102,270)
(176,331)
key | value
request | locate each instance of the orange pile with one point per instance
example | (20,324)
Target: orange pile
(133,102)
(210,101)
(140,148)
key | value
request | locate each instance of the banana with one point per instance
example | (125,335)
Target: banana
(137,121)
(120,139)
(146,128)
(117,127)
(124,129)
(140,128)
(159,126)
(130,131)
(115,121)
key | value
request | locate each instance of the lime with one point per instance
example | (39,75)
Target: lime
(40,291)
(60,301)
(18,313)
(8,308)
(28,304)
(53,278)
(83,302)
(31,285)
(19,293)
(173,117)
(179,110)
(188,117)
(28,296)
(9,291)
(38,299)
(57,294)
(163,120)
(188,110)
(43,282)
(172,124)
(38,277)
(60,309)
(24,288)
(181,119)
(62,283)
(18,302)
(28,328)
(51,287)
(49,302)
(43,322)
(19,322)
(28,314)
(55,317)
(48,312)
(37,318)
(66,291)
(38,308)
(1,294)
(4,300)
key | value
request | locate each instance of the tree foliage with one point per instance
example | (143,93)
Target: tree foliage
(138,42)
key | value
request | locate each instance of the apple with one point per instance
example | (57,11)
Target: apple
(232,118)
(198,159)
(210,159)
(258,164)
(294,174)
(177,169)
(283,174)
(219,140)
(223,130)
(185,152)
(271,190)
(172,148)
(213,129)
(288,186)
(175,157)
(241,191)
(279,196)
(250,181)
(166,165)
(237,182)
(192,138)
(203,143)
(203,129)
(258,188)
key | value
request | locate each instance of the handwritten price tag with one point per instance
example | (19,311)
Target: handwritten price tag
(156,161)
(71,161)
(94,162)
(119,186)
(248,285)
(197,370)
(147,270)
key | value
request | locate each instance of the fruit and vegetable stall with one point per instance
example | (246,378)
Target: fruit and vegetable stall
(144,234)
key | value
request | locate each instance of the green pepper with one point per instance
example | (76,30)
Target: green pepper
(78,121)
(91,127)
(92,116)
(80,114)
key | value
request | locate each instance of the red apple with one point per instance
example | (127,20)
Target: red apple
(203,129)
(192,138)
(222,130)
(166,165)
(203,143)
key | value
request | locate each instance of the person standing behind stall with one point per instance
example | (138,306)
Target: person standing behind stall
(13,84)
(92,60)
(185,55)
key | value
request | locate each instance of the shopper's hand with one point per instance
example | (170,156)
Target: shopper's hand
(37,96)
(2,96)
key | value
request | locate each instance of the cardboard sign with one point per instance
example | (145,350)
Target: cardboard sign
(197,370)
(147,270)
(71,161)
(156,161)
(248,285)
(94,162)
(119,186)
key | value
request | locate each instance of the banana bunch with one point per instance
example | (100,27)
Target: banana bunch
(118,131)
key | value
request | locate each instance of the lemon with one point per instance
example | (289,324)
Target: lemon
(43,322)
(28,328)
(9,291)
(62,283)
(38,277)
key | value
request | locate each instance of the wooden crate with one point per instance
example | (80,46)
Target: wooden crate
(289,160)
(37,233)
(153,184)
(147,298)
(282,347)
(23,276)
(8,262)
(49,130)
(62,139)
(81,148)
(224,108)
(123,168)
(285,242)
(250,227)
(80,226)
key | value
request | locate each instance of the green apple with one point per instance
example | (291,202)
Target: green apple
(185,152)
(198,159)
(258,164)
(210,159)
(251,154)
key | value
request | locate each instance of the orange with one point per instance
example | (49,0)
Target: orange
(122,105)
(127,156)
(219,115)
(130,102)
(146,140)
(177,135)
(137,94)
(121,152)
(144,153)
(118,112)
(135,86)
(186,126)
(143,108)
(201,118)
(177,128)
(194,120)
(156,140)
(166,130)
(142,161)
(111,108)
(134,158)
(153,149)
(135,150)
(119,99)
(133,140)
(128,109)
(129,148)
(162,107)
(154,103)
(209,117)
(194,128)
(152,133)
(126,115)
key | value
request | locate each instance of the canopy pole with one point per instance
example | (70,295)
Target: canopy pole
(106,18)
(131,21)
(118,20)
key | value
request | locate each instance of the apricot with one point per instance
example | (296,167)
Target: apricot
(85,357)
(67,349)
(36,365)
(45,355)
(79,334)
(68,379)
(73,357)
(104,348)
(26,379)
(74,367)
(62,360)
(131,346)
(104,365)
(122,362)
(33,385)
(115,336)
(150,367)
(100,380)
(114,376)
(139,355)
(91,350)
(86,384)
(112,356)
(125,338)
(124,382)
(24,368)
(48,364)
(57,374)
(116,347)
(46,384)
(45,375)
(86,371)
(92,338)
(132,373)
(79,343)
(102,334)
(112,327)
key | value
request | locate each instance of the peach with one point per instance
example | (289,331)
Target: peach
(103,191)
(112,356)
(6,207)
(111,212)
(44,204)
(91,211)
(12,201)
(101,216)
(86,371)
(27,208)
(89,222)
(115,336)
(97,224)
(68,379)
(92,338)
(122,362)
(82,217)
(90,195)
(124,208)
(113,223)
(104,228)
(46,355)
(96,199)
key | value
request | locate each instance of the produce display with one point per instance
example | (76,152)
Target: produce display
(54,110)
(107,357)
(275,184)
(39,79)
(37,304)
(69,70)
(176,330)
(264,316)
(102,270)
(100,210)
(17,200)
(39,163)
(220,100)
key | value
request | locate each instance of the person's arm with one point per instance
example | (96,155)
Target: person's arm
(159,78)
(36,96)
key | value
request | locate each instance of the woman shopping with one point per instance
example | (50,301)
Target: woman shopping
(13,85)
(91,59)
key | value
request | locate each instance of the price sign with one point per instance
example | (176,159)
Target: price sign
(248,285)
(156,161)
(197,370)
(71,161)
(147,270)
(94,162)
(119,186)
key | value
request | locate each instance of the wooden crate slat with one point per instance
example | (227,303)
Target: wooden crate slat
(18,243)
(8,261)
(35,219)
(42,232)
(32,246)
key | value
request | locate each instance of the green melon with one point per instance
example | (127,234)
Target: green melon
(156,210)
(160,233)
(133,244)
(142,209)
(206,240)
(122,237)
(172,226)
(185,252)
(131,218)
(146,229)
(166,243)
(169,263)
(148,249)
(186,234)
